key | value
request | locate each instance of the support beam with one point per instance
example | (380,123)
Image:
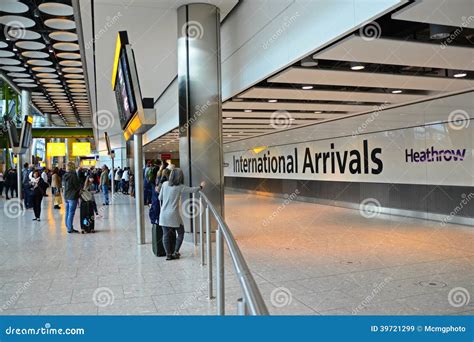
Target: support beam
(200,104)
(138,174)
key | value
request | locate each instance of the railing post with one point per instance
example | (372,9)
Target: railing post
(220,272)
(242,307)
(193,202)
(209,252)
(201,231)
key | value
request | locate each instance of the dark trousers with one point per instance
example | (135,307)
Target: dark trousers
(167,231)
(28,196)
(1,188)
(37,198)
(13,189)
(147,193)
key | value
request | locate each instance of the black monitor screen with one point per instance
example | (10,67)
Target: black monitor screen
(26,134)
(124,94)
(12,133)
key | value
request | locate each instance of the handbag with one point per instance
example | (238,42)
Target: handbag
(87,196)
(57,200)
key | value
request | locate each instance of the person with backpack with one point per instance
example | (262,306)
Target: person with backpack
(170,218)
(38,186)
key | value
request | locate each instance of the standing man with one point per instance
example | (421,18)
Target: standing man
(104,184)
(72,187)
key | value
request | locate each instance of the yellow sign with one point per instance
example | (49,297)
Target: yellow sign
(88,162)
(118,47)
(56,149)
(80,149)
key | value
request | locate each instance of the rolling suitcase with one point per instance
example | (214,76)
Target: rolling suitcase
(157,241)
(87,216)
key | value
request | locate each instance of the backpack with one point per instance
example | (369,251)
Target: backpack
(149,174)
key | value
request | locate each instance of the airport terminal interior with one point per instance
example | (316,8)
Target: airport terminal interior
(313,157)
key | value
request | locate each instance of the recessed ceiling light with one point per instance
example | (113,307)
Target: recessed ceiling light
(308,62)
(317,112)
(308,87)
(460,74)
(397,91)
(272,101)
(248,111)
(228,118)
(357,66)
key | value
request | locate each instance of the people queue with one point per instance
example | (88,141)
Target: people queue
(163,191)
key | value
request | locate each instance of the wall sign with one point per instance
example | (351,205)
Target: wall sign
(433,154)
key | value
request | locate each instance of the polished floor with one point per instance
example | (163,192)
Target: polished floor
(307,259)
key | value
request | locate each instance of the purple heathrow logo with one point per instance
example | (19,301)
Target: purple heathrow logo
(431,155)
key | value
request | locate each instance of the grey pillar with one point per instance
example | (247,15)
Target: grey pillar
(25,110)
(138,173)
(200,103)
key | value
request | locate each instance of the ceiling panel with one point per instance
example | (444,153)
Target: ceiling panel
(296,115)
(295,106)
(399,52)
(368,79)
(451,13)
(41,60)
(327,95)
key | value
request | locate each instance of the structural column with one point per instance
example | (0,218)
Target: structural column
(25,110)
(138,174)
(200,103)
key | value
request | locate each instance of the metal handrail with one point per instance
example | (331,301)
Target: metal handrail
(252,302)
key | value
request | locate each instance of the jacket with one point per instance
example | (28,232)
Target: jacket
(56,181)
(170,198)
(104,178)
(72,186)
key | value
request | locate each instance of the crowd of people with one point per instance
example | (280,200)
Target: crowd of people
(163,188)
(67,182)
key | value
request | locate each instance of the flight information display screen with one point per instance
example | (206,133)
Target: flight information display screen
(27,133)
(124,93)
(12,133)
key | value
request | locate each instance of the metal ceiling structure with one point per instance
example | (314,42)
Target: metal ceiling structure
(392,61)
(40,51)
